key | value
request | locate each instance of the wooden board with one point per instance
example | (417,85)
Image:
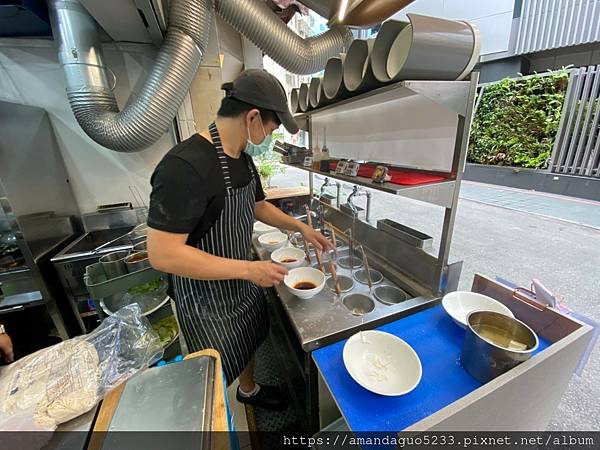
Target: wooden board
(105,415)
(219,441)
(219,415)
(277,193)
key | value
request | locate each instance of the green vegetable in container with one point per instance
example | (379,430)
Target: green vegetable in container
(167,330)
(146,288)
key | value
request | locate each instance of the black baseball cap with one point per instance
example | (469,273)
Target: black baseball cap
(259,88)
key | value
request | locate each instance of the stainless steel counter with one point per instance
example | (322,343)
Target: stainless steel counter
(324,319)
(74,434)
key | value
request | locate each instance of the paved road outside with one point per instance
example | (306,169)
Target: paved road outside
(517,235)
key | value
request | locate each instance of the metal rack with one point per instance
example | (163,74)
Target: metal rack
(430,135)
(438,193)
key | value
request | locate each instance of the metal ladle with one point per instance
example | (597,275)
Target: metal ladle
(366,264)
(338,290)
(333,238)
(310,224)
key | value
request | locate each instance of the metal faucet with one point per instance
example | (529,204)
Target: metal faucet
(324,186)
(338,189)
(303,216)
(357,192)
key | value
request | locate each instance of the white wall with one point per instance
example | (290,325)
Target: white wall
(30,75)
(492,17)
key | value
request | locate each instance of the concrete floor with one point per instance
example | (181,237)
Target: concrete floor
(502,237)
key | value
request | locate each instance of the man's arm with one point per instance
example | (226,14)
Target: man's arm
(6,346)
(168,252)
(271,215)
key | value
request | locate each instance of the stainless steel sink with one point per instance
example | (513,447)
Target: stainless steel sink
(328,317)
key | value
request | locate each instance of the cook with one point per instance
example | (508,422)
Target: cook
(205,196)
(6,346)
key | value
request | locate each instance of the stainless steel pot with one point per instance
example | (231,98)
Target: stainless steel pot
(495,343)
(114,263)
(134,266)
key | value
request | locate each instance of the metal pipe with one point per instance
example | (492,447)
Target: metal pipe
(294,97)
(431,49)
(367,13)
(333,79)
(322,99)
(358,73)
(263,28)
(147,117)
(381,48)
(313,92)
(303,97)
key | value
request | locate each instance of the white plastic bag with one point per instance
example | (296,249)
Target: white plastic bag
(59,383)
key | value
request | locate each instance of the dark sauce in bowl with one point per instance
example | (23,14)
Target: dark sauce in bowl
(305,285)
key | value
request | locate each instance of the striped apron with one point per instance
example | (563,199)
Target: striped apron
(227,315)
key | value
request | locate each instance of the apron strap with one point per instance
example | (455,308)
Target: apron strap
(250,165)
(216,138)
(214,134)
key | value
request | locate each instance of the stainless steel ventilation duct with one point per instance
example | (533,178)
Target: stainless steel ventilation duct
(146,117)
(255,20)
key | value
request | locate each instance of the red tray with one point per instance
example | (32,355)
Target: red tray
(399,176)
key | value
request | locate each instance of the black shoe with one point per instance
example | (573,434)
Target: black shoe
(267,397)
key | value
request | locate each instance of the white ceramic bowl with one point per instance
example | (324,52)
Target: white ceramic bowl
(382,363)
(281,254)
(306,274)
(273,240)
(460,304)
(262,228)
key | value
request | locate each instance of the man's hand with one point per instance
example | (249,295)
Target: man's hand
(6,348)
(315,238)
(265,273)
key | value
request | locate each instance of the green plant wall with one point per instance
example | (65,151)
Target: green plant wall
(517,120)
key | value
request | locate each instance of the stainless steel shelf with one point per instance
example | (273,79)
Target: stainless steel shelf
(438,193)
(453,95)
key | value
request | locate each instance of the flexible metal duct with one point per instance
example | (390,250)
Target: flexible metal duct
(149,115)
(146,117)
(254,19)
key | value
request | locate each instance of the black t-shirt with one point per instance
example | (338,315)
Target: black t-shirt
(188,188)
